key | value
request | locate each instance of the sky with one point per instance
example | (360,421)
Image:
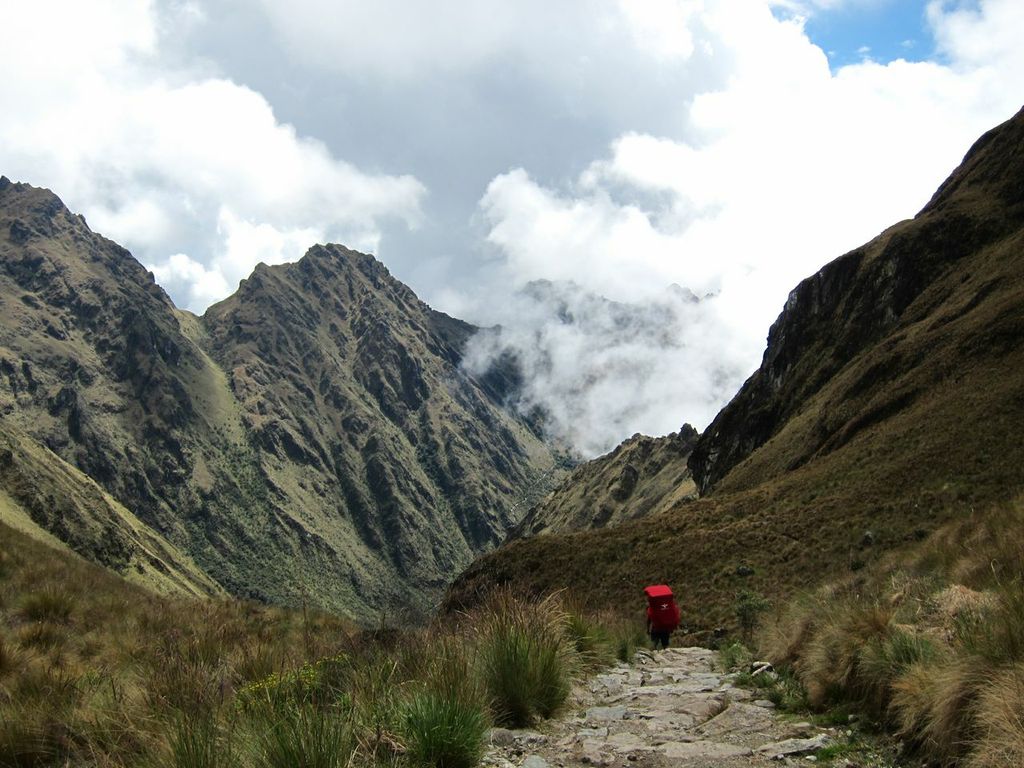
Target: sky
(672,167)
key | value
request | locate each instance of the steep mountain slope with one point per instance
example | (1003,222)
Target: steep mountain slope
(642,476)
(889,400)
(51,501)
(311,438)
(935,295)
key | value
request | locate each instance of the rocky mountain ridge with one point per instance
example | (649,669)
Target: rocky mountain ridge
(311,438)
(900,279)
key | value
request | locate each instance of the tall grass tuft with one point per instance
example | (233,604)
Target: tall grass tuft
(831,666)
(7,658)
(47,604)
(626,635)
(442,731)
(1000,716)
(27,738)
(995,633)
(734,656)
(882,661)
(524,658)
(375,699)
(303,737)
(444,721)
(935,707)
(196,742)
(590,639)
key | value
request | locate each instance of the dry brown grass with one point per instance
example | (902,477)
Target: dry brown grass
(96,671)
(935,707)
(90,666)
(939,662)
(1000,717)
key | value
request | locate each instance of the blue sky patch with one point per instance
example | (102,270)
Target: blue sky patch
(882,31)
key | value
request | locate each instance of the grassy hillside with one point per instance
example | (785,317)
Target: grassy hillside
(96,671)
(889,403)
(929,645)
(51,501)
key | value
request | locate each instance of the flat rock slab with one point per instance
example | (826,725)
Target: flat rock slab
(605,714)
(629,742)
(693,750)
(789,747)
(738,720)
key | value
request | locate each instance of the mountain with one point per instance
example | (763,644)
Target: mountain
(311,438)
(889,401)
(642,476)
(49,500)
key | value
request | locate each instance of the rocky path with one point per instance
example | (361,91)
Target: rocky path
(670,708)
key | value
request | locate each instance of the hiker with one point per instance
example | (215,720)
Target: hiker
(662,614)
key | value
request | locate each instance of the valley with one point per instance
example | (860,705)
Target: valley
(304,496)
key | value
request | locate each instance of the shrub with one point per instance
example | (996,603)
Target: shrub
(321,682)
(748,608)
(47,604)
(522,656)
(443,731)
(303,736)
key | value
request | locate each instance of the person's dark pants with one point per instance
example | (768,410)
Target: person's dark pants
(660,637)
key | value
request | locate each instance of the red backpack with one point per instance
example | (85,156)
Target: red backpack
(662,611)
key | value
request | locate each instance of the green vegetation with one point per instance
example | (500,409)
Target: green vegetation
(929,647)
(94,670)
(748,608)
(524,658)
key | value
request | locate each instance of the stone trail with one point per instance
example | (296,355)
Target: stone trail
(670,708)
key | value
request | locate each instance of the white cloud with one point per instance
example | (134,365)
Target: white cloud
(169,161)
(399,40)
(623,145)
(787,167)
(594,367)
